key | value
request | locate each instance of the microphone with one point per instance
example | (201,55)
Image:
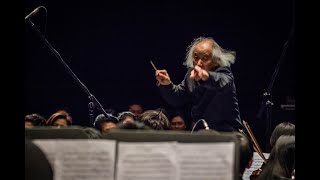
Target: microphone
(205,124)
(32,13)
(206,127)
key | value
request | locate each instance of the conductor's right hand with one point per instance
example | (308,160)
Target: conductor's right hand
(163,77)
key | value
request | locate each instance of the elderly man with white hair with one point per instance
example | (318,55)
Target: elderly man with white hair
(208,91)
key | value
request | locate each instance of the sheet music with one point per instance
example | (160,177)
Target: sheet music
(80,159)
(95,159)
(146,161)
(175,161)
(206,161)
(256,164)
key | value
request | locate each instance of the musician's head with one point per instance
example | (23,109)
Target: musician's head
(285,155)
(246,152)
(104,124)
(177,122)
(155,119)
(31,120)
(284,128)
(60,119)
(206,53)
(126,116)
(136,109)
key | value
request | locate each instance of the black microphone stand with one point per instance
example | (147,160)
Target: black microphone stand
(93,100)
(266,104)
(91,111)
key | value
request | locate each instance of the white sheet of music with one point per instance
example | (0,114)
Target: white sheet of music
(175,161)
(211,161)
(80,159)
(256,164)
(146,161)
(95,159)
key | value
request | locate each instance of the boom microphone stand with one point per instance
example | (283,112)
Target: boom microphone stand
(266,104)
(93,100)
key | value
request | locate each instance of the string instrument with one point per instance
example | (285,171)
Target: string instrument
(257,148)
(257,172)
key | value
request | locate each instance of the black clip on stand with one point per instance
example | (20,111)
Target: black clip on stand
(266,104)
(93,100)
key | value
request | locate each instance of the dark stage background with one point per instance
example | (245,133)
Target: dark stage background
(108,45)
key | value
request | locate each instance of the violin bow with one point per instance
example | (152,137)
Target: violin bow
(256,146)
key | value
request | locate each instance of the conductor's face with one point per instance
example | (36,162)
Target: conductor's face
(202,56)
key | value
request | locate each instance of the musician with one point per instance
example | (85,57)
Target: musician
(246,152)
(284,128)
(208,89)
(282,164)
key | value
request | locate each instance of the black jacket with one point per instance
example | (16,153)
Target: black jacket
(214,100)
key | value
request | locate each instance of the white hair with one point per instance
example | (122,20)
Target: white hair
(224,57)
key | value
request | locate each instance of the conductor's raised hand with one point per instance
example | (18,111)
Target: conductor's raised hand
(199,74)
(163,77)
